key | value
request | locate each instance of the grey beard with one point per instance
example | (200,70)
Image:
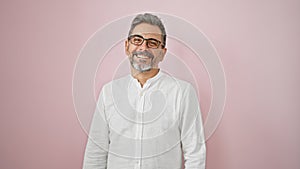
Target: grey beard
(140,68)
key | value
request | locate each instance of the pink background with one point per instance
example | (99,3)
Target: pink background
(257,41)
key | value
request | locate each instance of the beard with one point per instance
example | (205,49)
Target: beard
(142,61)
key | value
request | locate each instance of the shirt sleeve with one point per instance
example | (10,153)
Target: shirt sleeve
(97,145)
(192,132)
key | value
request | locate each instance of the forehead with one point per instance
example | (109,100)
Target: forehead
(146,29)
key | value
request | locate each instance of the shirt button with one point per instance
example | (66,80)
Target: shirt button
(137,166)
(141,94)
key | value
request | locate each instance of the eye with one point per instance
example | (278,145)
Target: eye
(153,43)
(137,40)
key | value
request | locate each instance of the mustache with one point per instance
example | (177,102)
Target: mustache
(145,53)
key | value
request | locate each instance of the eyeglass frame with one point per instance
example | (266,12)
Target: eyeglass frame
(140,36)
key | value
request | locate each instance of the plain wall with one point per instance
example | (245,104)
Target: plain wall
(258,44)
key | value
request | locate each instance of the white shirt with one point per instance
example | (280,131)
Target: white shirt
(149,127)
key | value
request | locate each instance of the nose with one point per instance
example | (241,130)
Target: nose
(143,46)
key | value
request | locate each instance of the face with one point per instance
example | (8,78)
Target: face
(145,50)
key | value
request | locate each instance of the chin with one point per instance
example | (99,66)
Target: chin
(139,69)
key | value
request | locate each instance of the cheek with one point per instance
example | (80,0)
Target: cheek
(158,55)
(132,48)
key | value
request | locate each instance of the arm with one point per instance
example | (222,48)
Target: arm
(192,133)
(97,145)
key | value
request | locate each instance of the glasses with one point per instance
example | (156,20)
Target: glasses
(139,40)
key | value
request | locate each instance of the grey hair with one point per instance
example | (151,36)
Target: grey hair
(149,19)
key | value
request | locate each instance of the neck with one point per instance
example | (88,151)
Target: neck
(142,77)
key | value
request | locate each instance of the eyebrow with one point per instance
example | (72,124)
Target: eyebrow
(144,37)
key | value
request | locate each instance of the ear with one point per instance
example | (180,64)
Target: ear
(163,53)
(127,47)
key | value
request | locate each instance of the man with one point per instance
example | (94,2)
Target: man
(146,120)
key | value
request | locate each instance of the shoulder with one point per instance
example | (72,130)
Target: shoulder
(176,83)
(119,81)
(107,88)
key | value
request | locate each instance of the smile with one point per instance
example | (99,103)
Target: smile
(142,57)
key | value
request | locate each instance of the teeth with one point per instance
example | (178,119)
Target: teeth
(142,56)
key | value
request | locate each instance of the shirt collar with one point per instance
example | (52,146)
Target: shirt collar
(149,81)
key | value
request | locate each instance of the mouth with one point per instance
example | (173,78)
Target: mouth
(142,57)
